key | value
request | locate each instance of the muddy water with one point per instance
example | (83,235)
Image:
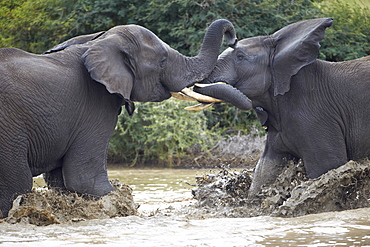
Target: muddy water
(168,217)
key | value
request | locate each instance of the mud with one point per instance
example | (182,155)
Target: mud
(45,207)
(227,188)
(235,151)
(222,194)
(292,194)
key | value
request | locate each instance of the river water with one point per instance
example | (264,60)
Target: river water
(168,216)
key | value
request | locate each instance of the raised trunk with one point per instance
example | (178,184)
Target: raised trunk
(189,70)
(207,57)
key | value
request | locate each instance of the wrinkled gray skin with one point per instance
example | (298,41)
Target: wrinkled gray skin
(314,110)
(58,110)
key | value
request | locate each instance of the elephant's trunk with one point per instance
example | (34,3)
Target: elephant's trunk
(212,42)
(205,61)
(190,70)
(225,92)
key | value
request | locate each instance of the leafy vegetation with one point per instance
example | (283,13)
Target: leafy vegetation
(163,132)
(160,132)
(349,37)
(32,25)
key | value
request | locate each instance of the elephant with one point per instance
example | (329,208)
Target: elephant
(59,109)
(313,110)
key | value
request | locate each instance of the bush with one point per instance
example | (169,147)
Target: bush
(349,36)
(161,133)
(32,25)
(229,120)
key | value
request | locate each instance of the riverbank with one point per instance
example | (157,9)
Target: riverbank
(237,151)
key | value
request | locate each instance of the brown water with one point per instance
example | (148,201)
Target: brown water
(168,217)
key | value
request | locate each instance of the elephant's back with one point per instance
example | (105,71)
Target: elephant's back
(8,54)
(355,71)
(364,59)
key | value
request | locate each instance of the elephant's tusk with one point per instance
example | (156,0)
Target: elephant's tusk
(199,107)
(198,96)
(182,96)
(207,85)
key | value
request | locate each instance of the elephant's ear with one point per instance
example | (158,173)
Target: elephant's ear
(82,39)
(296,46)
(107,61)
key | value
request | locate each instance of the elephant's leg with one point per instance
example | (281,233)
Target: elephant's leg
(324,155)
(85,168)
(270,165)
(315,168)
(15,178)
(322,147)
(54,178)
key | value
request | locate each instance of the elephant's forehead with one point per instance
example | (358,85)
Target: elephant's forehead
(252,45)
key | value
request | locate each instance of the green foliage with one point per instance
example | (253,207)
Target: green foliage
(349,37)
(160,132)
(88,16)
(229,120)
(180,23)
(37,25)
(31,25)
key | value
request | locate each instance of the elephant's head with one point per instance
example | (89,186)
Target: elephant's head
(258,64)
(135,64)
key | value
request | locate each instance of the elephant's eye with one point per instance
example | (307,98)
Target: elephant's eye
(240,56)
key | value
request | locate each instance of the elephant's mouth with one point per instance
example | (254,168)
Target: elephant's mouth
(189,95)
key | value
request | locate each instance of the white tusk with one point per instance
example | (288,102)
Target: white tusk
(198,107)
(198,96)
(182,96)
(207,85)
